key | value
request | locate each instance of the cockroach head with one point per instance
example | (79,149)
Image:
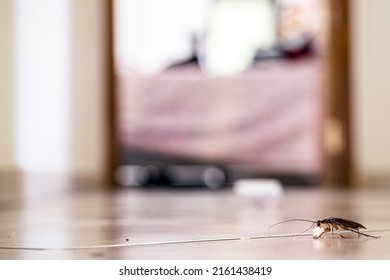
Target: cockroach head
(317,231)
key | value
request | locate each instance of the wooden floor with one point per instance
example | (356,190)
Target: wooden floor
(54,219)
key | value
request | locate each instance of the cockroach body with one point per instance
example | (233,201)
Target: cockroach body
(329,225)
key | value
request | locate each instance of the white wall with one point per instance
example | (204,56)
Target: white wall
(52,86)
(6,86)
(42,84)
(88,95)
(371,85)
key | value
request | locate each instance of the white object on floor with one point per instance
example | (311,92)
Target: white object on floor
(260,188)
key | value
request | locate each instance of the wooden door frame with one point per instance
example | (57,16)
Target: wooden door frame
(111,156)
(338,169)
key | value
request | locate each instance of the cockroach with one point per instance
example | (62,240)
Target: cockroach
(330,224)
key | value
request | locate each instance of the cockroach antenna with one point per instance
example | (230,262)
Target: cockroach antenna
(293,220)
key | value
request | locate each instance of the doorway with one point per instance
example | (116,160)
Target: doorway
(209,99)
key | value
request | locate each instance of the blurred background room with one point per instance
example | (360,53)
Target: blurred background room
(56,87)
(120,95)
